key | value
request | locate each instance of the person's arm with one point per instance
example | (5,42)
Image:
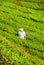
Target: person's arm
(24,35)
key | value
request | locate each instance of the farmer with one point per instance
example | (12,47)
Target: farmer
(21,33)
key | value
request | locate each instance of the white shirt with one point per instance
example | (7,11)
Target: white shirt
(22,34)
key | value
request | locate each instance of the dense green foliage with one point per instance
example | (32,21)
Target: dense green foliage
(15,14)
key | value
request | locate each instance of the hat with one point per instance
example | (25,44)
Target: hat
(21,29)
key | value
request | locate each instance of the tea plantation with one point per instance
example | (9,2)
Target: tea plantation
(27,14)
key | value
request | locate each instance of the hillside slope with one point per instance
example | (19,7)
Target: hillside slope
(15,14)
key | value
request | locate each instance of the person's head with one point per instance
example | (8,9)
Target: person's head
(21,29)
